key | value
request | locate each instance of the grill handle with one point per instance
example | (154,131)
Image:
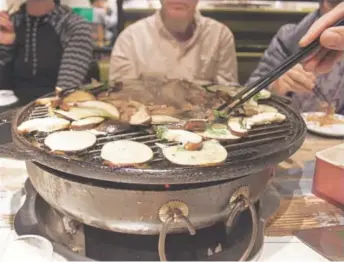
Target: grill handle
(239,202)
(169,213)
(240,205)
(8,148)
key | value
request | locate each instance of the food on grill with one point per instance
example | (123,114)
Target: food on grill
(126,153)
(77,113)
(233,90)
(190,141)
(45,100)
(177,99)
(219,132)
(163,119)
(78,96)
(70,141)
(111,126)
(86,123)
(109,110)
(263,94)
(238,126)
(212,153)
(196,125)
(141,117)
(230,90)
(251,110)
(265,118)
(47,124)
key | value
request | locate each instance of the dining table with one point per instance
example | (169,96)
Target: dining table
(299,208)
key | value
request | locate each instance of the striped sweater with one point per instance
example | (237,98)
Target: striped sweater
(72,49)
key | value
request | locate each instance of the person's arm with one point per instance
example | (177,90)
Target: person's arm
(227,71)
(77,54)
(277,52)
(122,63)
(6,54)
(7,39)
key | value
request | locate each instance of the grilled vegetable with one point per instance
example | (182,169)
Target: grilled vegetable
(47,124)
(220,114)
(113,127)
(212,153)
(86,123)
(239,126)
(218,132)
(266,118)
(78,96)
(190,141)
(109,110)
(251,110)
(70,141)
(162,120)
(77,113)
(263,94)
(196,125)
(126,153)
(45,100)
(141,117)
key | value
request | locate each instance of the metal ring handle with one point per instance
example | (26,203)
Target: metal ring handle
(239,206)
(176,215)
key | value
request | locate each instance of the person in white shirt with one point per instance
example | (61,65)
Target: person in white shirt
(177,42)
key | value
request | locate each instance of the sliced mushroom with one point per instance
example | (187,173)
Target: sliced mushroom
(70,141)
(46,124)
(212,153)
(86,123)
(126,152)
(190,141)
(141,117)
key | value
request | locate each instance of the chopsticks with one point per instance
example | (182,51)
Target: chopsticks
(250,91)
(321,95)
(8,11)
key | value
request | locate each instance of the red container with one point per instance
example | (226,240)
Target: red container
(328,182)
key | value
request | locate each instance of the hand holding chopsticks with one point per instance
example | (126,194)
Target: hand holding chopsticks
(332,41)
(250,91)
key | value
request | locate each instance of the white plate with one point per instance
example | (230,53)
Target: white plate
(336,130)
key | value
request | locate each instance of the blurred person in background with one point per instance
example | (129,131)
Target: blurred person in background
(297,83)
(177,42)
(106,17)
(43,46)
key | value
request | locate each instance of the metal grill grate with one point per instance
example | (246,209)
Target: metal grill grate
(259,140)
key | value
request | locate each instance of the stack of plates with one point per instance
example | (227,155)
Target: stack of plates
(13,175)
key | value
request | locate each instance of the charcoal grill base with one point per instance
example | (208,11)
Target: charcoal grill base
(88,243)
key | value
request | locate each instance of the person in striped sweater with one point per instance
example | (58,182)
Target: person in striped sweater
(43,46)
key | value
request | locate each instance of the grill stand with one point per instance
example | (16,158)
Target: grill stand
(37,217)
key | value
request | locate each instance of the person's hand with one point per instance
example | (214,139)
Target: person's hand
(7,34)
(331,40)
(296,80)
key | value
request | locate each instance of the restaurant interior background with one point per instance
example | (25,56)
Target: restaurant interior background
(253,23)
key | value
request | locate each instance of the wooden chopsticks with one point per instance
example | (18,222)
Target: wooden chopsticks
(250,91)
